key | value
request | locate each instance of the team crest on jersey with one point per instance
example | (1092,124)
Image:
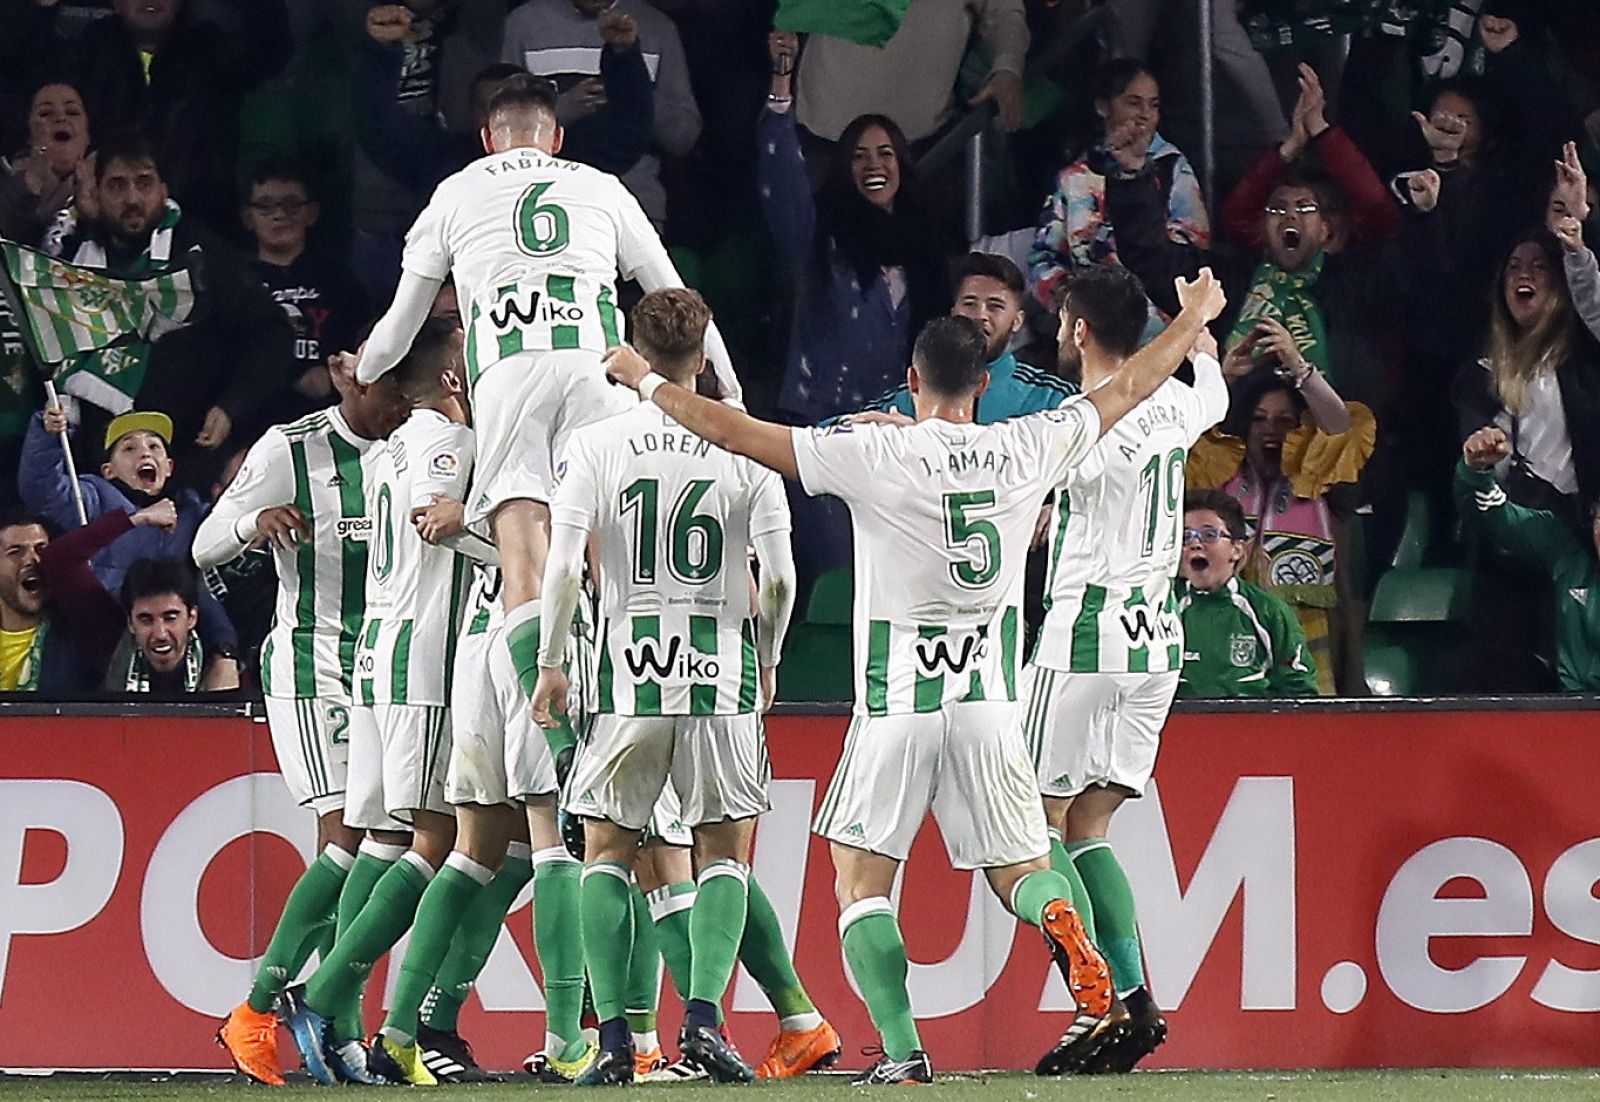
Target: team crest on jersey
(445,464)
(1242,650)
(839,428)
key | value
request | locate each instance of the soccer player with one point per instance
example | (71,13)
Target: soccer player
(682,671)
(415,594)
(1110,651)
(535,245)
(300,490)
(943,514)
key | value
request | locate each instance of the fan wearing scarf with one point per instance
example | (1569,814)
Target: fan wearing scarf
(161,651)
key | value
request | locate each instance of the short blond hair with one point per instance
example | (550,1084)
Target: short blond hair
(669,328)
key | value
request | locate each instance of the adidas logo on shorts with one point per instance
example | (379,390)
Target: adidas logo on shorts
(855,830)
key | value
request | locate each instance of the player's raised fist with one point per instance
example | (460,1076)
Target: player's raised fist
(618,30)
(549,697)
(1484,448)
(388,23)
(626,366)
(1203,293)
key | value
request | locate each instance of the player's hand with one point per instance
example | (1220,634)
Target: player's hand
(439,520)
(1004,88)
(55,419)
(1423,187)
(549,697)
(217,428)
(1203,294)
(1205,344)
(769,687)
(284,527)
(388,24)
(1569,231)
(1484,448)
(618,30)
(626,366)
(880,417)
(581,100)
(163,515)
(1497,32)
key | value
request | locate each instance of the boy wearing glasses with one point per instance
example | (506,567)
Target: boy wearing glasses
(1239,640)
(324,302)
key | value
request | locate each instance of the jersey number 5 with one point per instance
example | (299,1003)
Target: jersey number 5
(541,227)
(695,556)
(975,539)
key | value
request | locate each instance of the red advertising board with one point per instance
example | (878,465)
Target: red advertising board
(1320,889)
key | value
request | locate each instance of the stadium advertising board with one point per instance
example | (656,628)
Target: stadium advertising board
(1315,890)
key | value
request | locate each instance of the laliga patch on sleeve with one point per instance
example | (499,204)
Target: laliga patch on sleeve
(445,464)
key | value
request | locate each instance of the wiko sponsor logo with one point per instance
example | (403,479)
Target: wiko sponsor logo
(941,653)
(526,306)
(1146,625)
(677,662)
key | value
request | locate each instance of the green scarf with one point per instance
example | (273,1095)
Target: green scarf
(112,377)
(1286,296)
(28,681)
(130,672)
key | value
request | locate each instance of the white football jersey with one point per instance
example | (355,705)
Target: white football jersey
(535,244)
(675,517)
(943,516)
(314,464)
(1116,539)
(416,591)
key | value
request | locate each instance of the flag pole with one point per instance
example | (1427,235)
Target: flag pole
(66,452)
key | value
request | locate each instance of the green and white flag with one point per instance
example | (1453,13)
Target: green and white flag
(98,327)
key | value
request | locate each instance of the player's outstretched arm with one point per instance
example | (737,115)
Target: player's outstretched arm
(563,582)
(263,487)
(1144,372)
(391,338)
(721,424)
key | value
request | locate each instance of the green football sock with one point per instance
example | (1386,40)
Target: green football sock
(607,920)
(522,640)
(1115,920)
(474,941)
(558,940)
(1032,893)
(644,969)
(380,924)
(1063,863)
(373,859)
(765,955)
(716,926)
(670,908)
(875,953)
(308,916)
(457,887)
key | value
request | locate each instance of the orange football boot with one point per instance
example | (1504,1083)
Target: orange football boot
(795,1052)
(252,1042)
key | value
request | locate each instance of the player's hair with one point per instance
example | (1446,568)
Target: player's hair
(992,266)
(19,516)
(129,147)
(281,170)
(417,375)
(485,83)
(1111,301)
(669,327)
(1224,505)
(950,356)
(518,95)
(158,577)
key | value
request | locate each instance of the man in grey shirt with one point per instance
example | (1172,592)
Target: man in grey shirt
(591,49)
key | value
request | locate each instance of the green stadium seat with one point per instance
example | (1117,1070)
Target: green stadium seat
(1421,595)
(1389,669)
(816,664)
(1412,550)
(831,595)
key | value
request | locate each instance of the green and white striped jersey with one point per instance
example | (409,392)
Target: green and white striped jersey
(1117,535)
(313,464)
(943,515)
(415,590)
(675,517)
(535,244)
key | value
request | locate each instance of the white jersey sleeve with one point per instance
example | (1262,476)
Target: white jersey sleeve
(444,465)
(769,506)
(265,481)
(833,459)
(577,496)
(427,249)
(1208,398)
(1059,439)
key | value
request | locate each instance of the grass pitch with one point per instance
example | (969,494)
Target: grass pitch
(1292,1086)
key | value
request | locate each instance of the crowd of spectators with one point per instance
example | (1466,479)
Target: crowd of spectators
(1395,195)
